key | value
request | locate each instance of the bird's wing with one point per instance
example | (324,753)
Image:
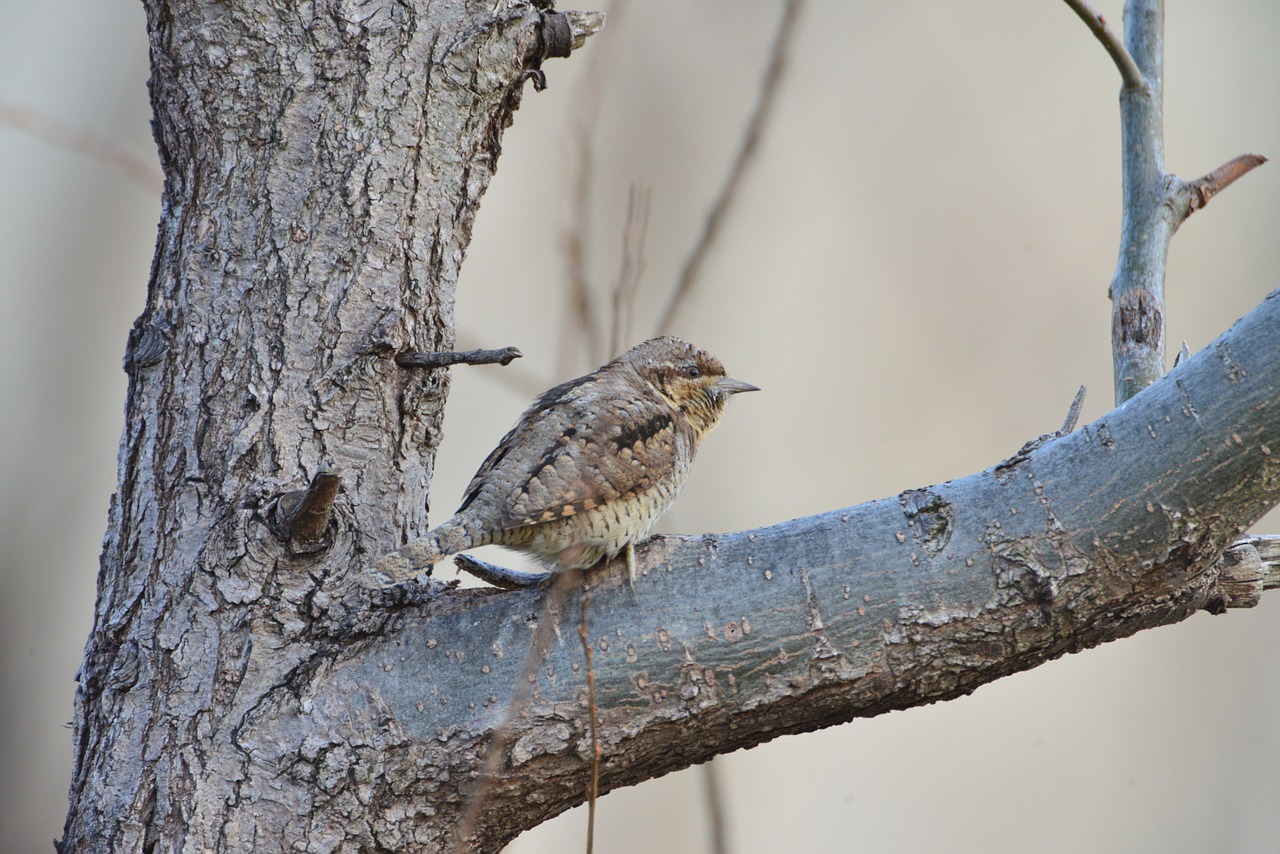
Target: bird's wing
(576,449)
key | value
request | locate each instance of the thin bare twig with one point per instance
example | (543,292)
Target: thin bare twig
(501,577)
(583,119)
(633,264)
(765,100)
(593,790)
(142,172)
(500,741)
(1184,353)
(1073,413)
(715,808)
(1129,72)
(1206,187)
(746,154)
(521,380)
(444,359)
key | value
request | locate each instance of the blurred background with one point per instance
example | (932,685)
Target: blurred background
(915,272)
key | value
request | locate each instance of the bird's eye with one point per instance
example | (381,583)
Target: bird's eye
(692,372)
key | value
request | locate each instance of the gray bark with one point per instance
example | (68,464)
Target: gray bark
(1147,227)
(323,165)
(239,692)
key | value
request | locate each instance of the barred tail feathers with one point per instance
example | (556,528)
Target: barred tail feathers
(417,556)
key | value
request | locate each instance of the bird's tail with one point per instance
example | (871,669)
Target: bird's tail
(417,556)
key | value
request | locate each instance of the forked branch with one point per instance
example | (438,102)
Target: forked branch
(1097,24)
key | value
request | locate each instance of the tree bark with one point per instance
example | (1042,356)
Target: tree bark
(239,692)
(324,163)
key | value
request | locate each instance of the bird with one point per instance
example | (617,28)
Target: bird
(588,469)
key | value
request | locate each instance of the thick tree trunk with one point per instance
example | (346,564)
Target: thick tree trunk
(324,163)
(240,693)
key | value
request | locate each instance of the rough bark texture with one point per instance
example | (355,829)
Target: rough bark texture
(239,693)
(324,164)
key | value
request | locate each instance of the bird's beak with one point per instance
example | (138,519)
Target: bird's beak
(729,385)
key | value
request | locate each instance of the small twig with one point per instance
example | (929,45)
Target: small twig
(1129,72)
(593,790)
(715,808)
(1073,413)
(443,359)
(144,173)
(503,735)
(624,293)
(583,119)
(304,513)
(1206,187)
(746,154)
(1073,417)
(499,576)
(525,382)
(1184,353)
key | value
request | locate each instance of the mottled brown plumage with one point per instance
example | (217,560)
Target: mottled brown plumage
(590,466)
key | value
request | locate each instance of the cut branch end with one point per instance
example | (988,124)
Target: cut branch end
(303,515)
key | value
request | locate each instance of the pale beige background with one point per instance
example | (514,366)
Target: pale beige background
(916,276)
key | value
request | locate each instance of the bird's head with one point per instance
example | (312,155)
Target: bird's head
(690,378)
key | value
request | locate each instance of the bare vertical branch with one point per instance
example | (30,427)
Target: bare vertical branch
(634,234)
(1137,291)
(715,808)
(500,742)
(583,119)
(1155,203)
(746,154)
(593,788)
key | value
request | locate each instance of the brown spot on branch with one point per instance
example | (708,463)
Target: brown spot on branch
(1138,320)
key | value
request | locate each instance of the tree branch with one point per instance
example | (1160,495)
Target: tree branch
(1129,73)
(583,117)
(1137,291)
(235,690)
(633,264)
(731,640)
(746,154)
(1155,204)
(448,358)
(1204,188)
(142,171)
(303,514)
